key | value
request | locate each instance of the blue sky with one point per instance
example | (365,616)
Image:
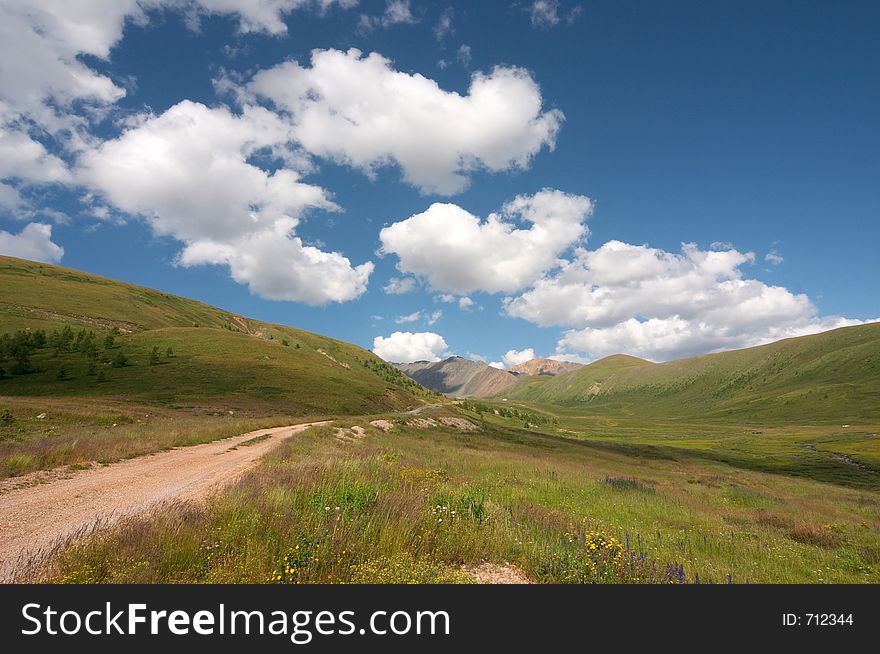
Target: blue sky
(168,144)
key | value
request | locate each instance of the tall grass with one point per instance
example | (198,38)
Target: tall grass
(414,506)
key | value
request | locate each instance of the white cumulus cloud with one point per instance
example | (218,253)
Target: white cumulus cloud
(660,305)
(187,173)
(49,87)
(515,357)
(406,347)
(360,111)
(33,242)
(453,250)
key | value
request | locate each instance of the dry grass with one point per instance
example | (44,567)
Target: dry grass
(812,534)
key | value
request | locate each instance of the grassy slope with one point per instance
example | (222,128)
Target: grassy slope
(221,363)
(833,377)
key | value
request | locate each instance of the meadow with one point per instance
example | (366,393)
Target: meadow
(415,504)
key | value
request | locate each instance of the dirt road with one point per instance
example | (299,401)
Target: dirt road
(34,519)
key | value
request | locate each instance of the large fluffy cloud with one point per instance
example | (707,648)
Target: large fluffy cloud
(188,173)
(33,242)
(361,111)
(47,40)
(453,250)
(406,347)
(50,92)
(662,305)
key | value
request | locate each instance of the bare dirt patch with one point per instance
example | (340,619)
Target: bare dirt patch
(350,434)
(462,424)
(422,423)
(496,573)
(384,425)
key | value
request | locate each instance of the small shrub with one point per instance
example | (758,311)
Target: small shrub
(810,534)
(469,504)
(625,484)
(169,353)
(285,342)
(22,366)
(768,519)
(120,360)
(154,356)
(62,374)
(347,496)
(294,566)
(6,417)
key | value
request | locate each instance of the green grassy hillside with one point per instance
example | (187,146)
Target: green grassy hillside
(833,377)
(69,339)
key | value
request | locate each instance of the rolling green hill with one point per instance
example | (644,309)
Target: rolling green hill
(215,358)
(92,369)
(832,377)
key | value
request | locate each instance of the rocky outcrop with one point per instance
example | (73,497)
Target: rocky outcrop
(549,367)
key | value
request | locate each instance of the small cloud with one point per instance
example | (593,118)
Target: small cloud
(434,317)
(464,55)
(515,357)
(412,317)
(773,257)
(399,285)
(444,27)
(446,298)
(548,13)
(465,304)
(476,357)
(376,317)
(405,347)
(545,13)
(397,12)
(34,242)
(497,364)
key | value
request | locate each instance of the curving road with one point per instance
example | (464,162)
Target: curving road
(34,519)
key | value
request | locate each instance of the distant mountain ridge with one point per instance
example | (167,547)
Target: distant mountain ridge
(461,377)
